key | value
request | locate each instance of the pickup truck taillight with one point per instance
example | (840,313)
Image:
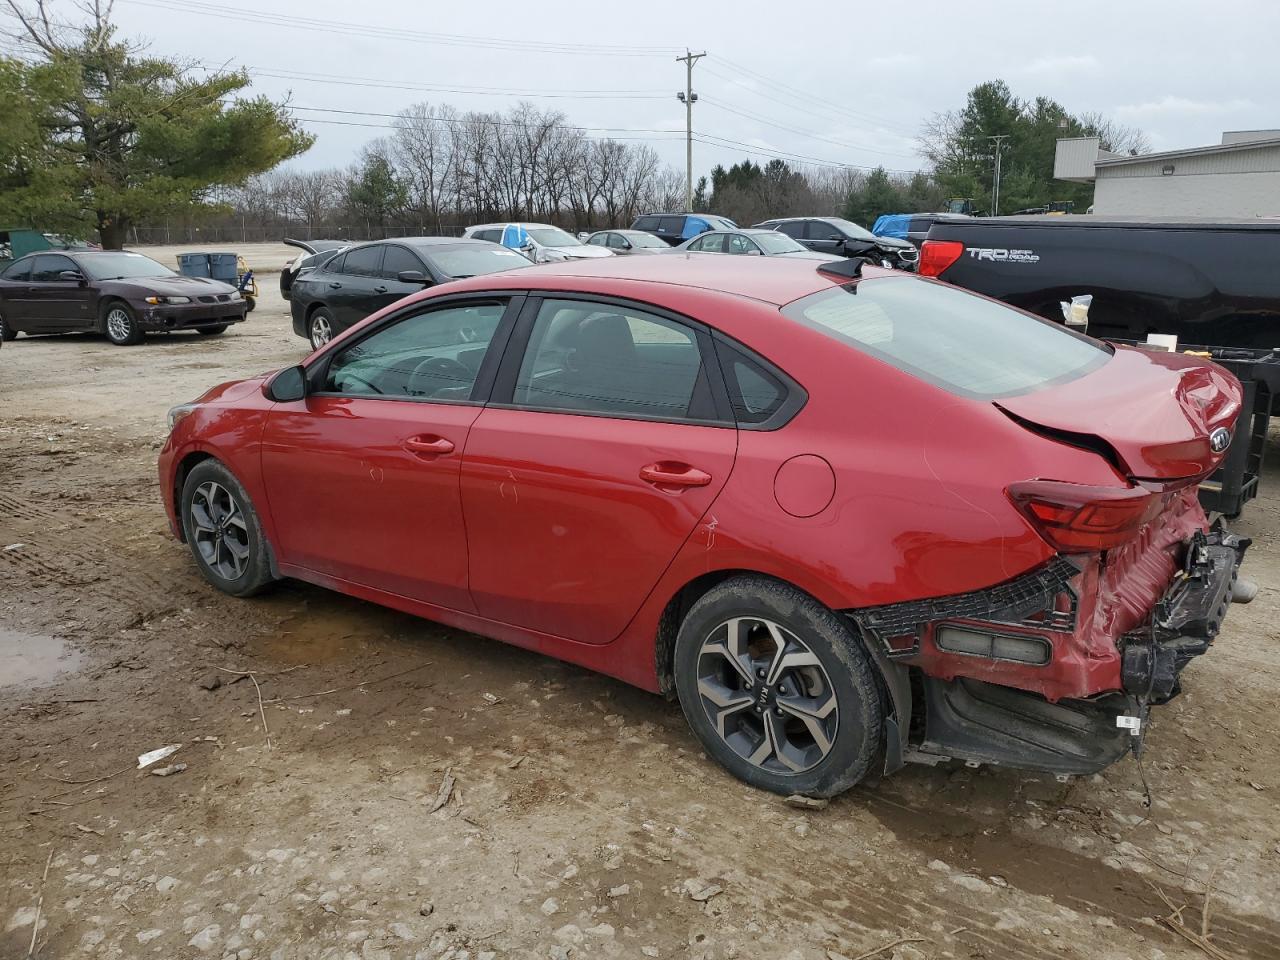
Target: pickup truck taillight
(1078,518)
(937,255)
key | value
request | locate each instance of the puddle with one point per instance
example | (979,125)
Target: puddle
(32,661)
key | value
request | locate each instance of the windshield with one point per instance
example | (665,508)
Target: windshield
(777,243)
(645,240)
(468,261)
(963,343)
(122,266)
(852,229)
(554,237)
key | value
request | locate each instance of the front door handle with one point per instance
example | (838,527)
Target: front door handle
(670,473)
(379,289)
(429,445)
(335,285)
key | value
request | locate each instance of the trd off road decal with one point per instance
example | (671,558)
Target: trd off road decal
(1002,255)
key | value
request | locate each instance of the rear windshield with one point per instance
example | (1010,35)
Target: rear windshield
(965,344)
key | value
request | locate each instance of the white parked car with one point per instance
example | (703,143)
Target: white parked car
(540,242)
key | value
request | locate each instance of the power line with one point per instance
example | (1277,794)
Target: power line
(390,126)
(464,119)
(804,133)
(345,81)
(758,151)
(347,28)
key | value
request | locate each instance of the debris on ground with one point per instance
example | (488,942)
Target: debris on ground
(160,753)
(801,802)
(445,791)
(169,770)
(210,681)
(701,890)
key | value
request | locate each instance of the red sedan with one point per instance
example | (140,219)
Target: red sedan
(848,520)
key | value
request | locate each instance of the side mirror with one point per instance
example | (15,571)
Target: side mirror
(1075,312)
(413,276)
(287,386)
(71,276)
(582,235)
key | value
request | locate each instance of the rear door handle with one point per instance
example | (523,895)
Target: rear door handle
(429,445)
(669,473)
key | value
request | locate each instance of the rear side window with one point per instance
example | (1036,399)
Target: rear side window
(759,396)
(965,344)
(493,236)
(363,261)
(671,225)
(792,228)
(646,223)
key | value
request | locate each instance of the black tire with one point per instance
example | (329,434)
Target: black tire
(6,333)
(219,522)
(212,331)
(120,324)
(251,302)
(320,327)
(820,759)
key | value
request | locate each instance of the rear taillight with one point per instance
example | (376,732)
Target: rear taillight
(937,255)
(1075,518)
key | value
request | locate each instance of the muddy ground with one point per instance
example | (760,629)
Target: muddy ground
(583,817)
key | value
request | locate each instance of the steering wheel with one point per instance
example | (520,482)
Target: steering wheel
(439,373)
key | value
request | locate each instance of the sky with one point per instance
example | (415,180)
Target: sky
(833,82)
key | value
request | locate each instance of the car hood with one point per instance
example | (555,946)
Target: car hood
(808,255)
(1154,411)
(582,252)
(893,243)
(175,286)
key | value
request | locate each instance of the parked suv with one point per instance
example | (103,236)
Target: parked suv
(846,239)
(540,242)
(676,228)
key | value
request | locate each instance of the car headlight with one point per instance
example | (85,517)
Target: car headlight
(167,300)
(235,295)
(177,413)
(553,256)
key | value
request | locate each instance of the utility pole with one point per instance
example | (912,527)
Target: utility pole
(688,98)
(998,144)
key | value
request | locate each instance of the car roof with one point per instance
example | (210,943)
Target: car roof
(772,280)
(512,223)
(441,242)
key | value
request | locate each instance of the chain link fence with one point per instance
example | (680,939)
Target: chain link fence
(244,232)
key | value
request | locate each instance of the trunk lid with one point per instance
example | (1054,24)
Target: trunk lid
(1156,413)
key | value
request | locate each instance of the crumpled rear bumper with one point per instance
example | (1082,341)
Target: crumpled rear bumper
(1186,619)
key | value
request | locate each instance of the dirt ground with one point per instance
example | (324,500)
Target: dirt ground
(583,821)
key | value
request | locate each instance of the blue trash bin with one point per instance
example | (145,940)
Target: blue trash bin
(195,264)
(222,266)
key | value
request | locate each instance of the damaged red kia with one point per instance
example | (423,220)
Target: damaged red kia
(848,517)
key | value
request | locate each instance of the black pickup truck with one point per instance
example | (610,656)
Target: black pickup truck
(1210,282)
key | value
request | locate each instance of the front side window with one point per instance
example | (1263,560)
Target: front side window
(48,268)
(776,243)
(397,260)
(600,239)
(740,244)
(960,342)
(601,358)
(493,235)
(618,242)
(363,261)
(435,355)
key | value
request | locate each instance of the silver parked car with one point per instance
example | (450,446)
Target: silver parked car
(624,243)
(757,243)
(540,242)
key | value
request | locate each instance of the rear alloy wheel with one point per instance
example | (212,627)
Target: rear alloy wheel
(222,530)
(120,325)
(213,331)
(778,688)
(320,328)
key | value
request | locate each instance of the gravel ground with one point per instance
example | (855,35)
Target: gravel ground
(311,818)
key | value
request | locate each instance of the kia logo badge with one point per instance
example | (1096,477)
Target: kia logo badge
(1219,440)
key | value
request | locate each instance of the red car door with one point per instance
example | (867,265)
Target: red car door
(602,450)
(362,475)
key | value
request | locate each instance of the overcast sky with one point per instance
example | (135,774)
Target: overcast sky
(853,82)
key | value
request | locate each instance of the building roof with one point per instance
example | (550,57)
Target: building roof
(1113,161)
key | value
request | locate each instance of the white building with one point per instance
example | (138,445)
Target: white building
(1237,178)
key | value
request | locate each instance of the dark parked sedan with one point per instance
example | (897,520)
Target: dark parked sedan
(845,239)
(118,294)
(348,287)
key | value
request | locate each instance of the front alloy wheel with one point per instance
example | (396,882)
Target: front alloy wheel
(222,536)
(121,326)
